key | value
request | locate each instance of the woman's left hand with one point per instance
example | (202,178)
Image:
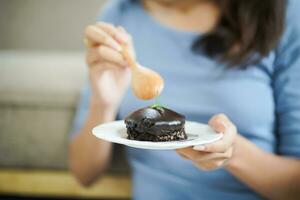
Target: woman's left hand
(215,155)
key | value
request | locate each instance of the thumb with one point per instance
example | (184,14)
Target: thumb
(219,123)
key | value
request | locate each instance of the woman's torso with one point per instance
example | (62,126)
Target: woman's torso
(197,87)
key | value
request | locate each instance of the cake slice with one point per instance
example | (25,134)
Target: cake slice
(155,124)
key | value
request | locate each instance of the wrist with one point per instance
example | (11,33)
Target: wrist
(245,154)
(104,112)
(233,161)
(97,103)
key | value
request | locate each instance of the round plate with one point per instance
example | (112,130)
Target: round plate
(198,134)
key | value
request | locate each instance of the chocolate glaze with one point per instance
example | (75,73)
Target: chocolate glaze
(156,121)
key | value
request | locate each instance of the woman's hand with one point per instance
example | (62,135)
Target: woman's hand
(108,71)
(215,155)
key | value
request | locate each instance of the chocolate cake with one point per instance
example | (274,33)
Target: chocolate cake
(155,124)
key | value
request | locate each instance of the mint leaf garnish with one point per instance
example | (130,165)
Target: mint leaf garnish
(156,105)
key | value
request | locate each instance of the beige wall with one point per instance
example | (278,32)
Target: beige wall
(45,24)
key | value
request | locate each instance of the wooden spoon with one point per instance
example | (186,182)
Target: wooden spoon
(146,83)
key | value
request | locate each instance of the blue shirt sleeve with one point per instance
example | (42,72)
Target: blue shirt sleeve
(81,111)
(286,83)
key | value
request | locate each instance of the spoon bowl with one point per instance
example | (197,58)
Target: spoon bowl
(146,83)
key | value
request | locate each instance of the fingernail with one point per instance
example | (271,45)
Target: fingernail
(199,148)
(222,125)
(122,37)
(115,45)
(118,48)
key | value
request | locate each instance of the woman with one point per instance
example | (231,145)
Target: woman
(232,57)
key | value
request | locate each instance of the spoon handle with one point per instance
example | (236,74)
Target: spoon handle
(128,57)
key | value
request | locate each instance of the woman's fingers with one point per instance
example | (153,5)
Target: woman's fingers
(116,33)
(221,124)
(125,34)
(198,156)
(211,156)
(108,39)
(92,56)
(189,153)
(110,55)
(96,36)
(130,41)
(212,164)
(104,54)
(206,160)
(214,155)
(104,58)
(220,146)
(119,34)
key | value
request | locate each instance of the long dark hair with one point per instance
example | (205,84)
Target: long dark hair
(247,31)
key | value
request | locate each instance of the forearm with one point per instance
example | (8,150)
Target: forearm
(89,156)
(274,177)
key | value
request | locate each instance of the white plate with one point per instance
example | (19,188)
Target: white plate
(198,134)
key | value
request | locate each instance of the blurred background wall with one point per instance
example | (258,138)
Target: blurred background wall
(45,24)
(42,71)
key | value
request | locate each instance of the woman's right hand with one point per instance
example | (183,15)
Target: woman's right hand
(108,71)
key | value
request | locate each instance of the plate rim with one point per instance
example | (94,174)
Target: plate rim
(153,145)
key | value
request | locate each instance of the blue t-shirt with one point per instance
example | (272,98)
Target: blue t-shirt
(263,101)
